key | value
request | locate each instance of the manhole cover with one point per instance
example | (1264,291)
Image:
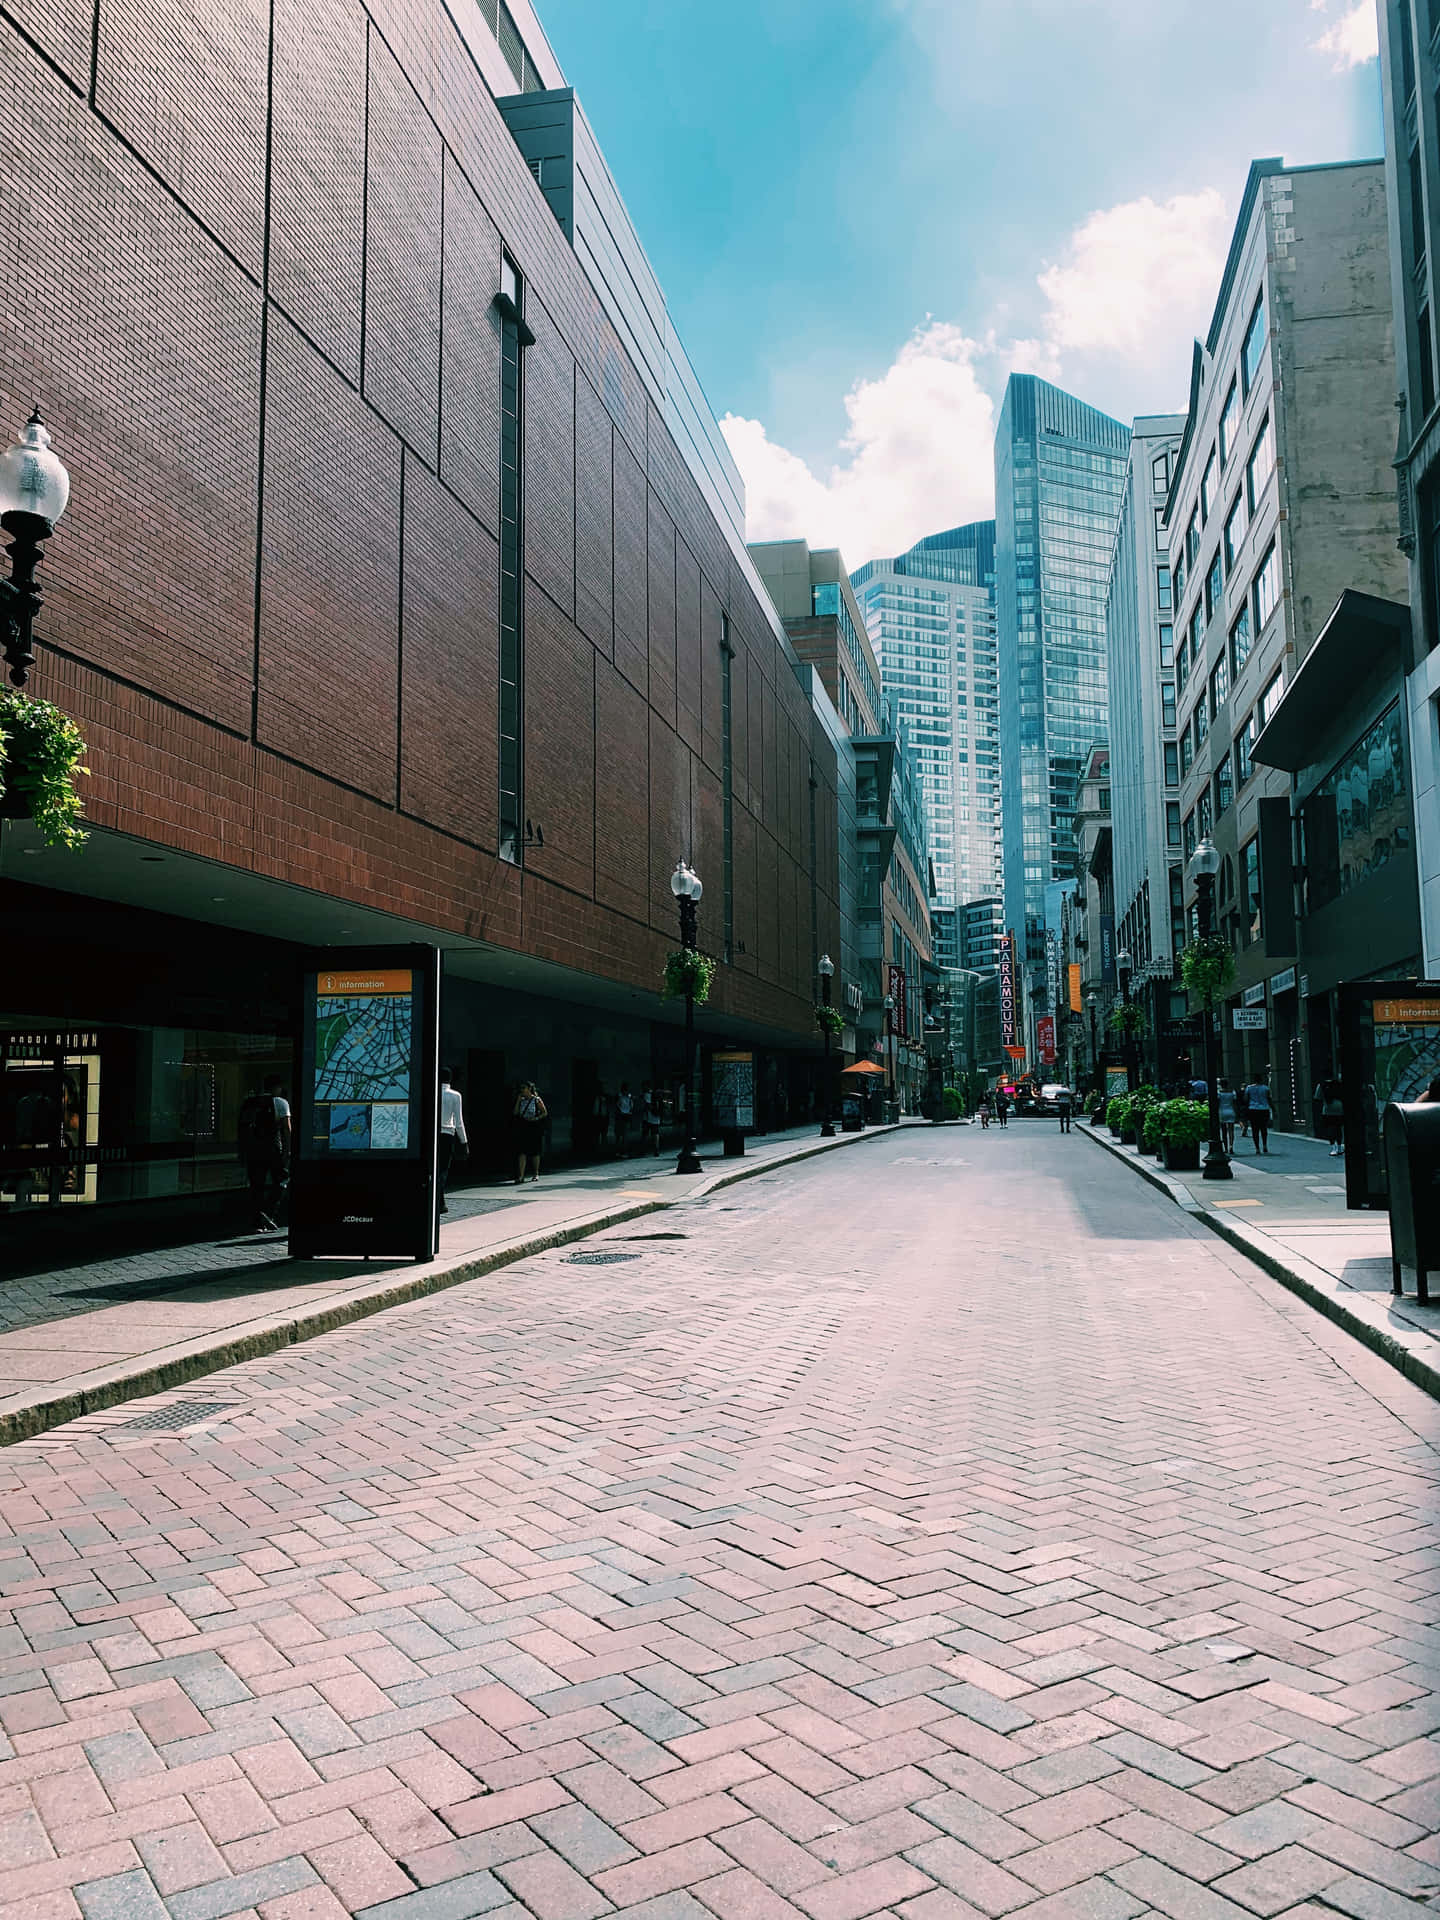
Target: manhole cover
(185,1413)
(598,1259)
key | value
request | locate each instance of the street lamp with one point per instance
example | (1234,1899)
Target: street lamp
(890,1053)
(686,887)
(1123,968)
(34,490)
(1090,1000)
(826,967)
(1204,865)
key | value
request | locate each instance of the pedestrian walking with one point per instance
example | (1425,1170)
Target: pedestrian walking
(1065,1106)
(264,1125)
(1199,1089)
(985,1112)
(1332,1116)
(1242,1111)
(1228,1104)
(649,1118)
(1257,1101)
(624,1115)
(1002,1105)
(452,1134)
(530,1117)
(600,1114)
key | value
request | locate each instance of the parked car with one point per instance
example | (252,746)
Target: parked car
(1049,1100)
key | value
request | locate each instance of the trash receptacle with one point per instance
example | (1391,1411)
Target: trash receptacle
(1412,1162)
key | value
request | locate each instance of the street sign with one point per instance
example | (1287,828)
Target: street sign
(1250,1019)
(1255,996)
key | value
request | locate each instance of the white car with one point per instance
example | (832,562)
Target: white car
(1050,1097)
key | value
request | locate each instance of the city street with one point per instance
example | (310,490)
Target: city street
(947,1527)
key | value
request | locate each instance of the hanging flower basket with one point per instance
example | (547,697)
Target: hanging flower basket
(687,972)
(1207,967)
(830,1020)
(41,753)
(1128,1020)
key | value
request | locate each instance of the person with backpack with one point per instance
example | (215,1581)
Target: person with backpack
(1002,1105)
(1227,1101)
(530,1118)
(1257,1101)
(624,1114)
(1065,1107)
(264,1127)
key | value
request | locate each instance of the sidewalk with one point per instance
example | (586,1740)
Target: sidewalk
(84,1337)
(1286,1210)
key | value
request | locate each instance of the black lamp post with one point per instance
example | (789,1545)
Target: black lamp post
(1090,1000)
(1122,968)
(827,974)
(34,490)
(1204,865)
(890,1056)
(686,887)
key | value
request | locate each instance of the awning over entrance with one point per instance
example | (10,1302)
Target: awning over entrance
(1364,638)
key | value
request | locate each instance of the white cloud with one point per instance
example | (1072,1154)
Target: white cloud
(1352,39)
(1117,316)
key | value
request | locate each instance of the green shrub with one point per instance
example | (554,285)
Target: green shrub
(41,752)
(1186,1121)
(1117,1111)
(954,1105)
(686,969)
(1155,1124)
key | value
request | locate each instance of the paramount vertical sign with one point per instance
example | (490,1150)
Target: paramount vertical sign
(1007,990)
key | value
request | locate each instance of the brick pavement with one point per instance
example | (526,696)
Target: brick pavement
(987,1541)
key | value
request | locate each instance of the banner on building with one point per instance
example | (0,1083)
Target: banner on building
(1007,991)
(1074,971)
(1107,949)
(1052,969)
(1045,1036)
(896,987)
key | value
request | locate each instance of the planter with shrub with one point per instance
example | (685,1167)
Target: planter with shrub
(1186,1126)
(41,753)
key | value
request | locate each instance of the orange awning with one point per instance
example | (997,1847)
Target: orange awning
(864,1066)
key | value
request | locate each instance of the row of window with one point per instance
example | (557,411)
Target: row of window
(1258,469)
(1249,623)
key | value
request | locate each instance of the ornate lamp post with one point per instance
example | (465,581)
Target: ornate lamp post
(686,887)
(1123,969)
(890,1056)
(1090,1001)
(34,490)
(1204,865)
(826,968)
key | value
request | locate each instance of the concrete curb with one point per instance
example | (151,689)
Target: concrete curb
(183,1361)
(1413,1352)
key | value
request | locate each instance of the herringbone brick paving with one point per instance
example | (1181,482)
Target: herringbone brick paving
(960,1535)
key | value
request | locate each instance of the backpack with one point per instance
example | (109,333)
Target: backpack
(625,1106)
(259,1130)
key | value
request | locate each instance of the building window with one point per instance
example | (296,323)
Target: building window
(1224,786)
(1178,561)
(1192,538)
(1197,635)
(1244,740)
(1162,588)
(1234,531)
(1214,588)
(1172,823)
(1160,526)
(1240,637)
(1250,892)
(1229,421)
(1270,698)
(1201,720)
(1417,210)
(1261,463)
(512,671)
(1204,814)
(1160,473)
(1267,587)
(1358,818)
(1182,662)
(1189,835)
(1426,347)
(1253,351)
(1172,763)
(1187,752)
(1207,488)
(1167,703)
(1219,685)
(1167,645)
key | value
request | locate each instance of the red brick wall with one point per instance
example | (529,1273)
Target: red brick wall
(257,277)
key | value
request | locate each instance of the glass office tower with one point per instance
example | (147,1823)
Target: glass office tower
(1059,469)
(930,614)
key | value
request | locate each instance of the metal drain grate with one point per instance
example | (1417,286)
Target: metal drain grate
(598,1259)
(184,1413)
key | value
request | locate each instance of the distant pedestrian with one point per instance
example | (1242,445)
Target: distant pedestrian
(1332,1116)
(1002,1105)
(265,1149)
(649,1118)
(452,1134)
(1257,1101)
(1065,1106)
(600,1114)
(1199,1089)
(1228,1104)
(1242,1111)
(624,1117)
(530,1116)
(985,1112)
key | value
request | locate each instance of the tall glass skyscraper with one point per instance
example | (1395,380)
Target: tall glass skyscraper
(930,614)
(1059,469)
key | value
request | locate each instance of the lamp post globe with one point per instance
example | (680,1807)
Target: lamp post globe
(1091,1001)
(34,492)
(890,1054)
(686,886)
(1123,968)
(825,967)
(1203,867)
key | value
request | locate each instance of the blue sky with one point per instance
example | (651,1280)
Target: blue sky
(866,212)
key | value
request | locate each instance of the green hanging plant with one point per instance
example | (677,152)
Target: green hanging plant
(687,972)
(41,752)
(830,1020)
(1207,967)
(1128,1019)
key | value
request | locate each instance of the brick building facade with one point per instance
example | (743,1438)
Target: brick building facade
(254,252)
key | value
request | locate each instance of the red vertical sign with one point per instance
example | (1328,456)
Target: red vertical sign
(1045,1035)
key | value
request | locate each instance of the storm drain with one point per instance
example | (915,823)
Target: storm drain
(185,1413)
(597,1259)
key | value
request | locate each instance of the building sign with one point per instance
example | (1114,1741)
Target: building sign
(1117,1083)
(1016,1053)
(1283,982)
(896,988)
(1389,1050)
(1304,986)
(733,1090)
(367,1108)
(1249,1019)
(1052,969)
(1404,1013)
(1045,1036)
(1255,996)
(1107,949)
(1007,993)
(1074,973)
